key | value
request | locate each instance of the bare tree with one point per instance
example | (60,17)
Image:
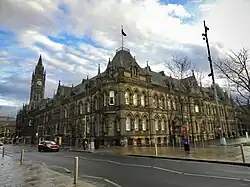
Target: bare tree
(199,76)
(180,67)
(236,69)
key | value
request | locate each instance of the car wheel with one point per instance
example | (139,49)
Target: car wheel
(39,150)
(57,150)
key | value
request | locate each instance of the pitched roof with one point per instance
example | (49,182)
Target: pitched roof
(123,58)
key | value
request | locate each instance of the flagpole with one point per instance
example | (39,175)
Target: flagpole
(122,46)
(122,37)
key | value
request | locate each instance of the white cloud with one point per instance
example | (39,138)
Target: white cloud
(227,20)
(30,37)
(154,32)
(10,103)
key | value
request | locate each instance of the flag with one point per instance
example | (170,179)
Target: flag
(123,33)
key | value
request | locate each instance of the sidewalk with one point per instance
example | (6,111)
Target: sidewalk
(220,153)
(33,175)
(229,153)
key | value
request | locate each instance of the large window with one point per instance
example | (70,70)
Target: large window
(162,125)
(127,98)
(144,124)
(111,98)
(80,108)
(65,113)
(128,123)
(196,108)
(136,123)
(156,124)
(135,99)
(155,101)
(143,99)
(88,107)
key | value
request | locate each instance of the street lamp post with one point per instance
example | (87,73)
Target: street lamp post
(205,37)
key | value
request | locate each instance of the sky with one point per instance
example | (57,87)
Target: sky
(74,36)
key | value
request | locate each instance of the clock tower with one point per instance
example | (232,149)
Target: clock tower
(37,83)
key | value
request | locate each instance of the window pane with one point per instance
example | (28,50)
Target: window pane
(111,94)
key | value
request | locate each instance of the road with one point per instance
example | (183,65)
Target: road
(122,171)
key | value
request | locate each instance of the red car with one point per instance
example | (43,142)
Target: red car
(48,146)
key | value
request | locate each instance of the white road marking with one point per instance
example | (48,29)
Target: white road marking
(113,183)
(247,180)
(168,170)
(101,178)
(211,176)
(137,165)
(114,162)
(92,177)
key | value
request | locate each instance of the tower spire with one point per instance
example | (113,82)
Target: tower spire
(40,62)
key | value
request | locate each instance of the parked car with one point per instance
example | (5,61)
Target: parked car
(48,146)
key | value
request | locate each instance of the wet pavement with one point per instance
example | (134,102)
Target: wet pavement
(29,174)
(200,150)
(10,174)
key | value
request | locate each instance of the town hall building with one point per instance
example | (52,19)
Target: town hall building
(124,105)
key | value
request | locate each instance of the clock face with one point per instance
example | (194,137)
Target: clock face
(39,83)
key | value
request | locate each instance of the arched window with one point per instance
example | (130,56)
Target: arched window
(134,71)
(196,108)
(127,98)
(174,105)
(128,123)
(96,103)
(163,103)
(136,123)
(162,125)
(155,101)
(144,123)
(160,102)
(156,124)
(143,99)
(111,98)
(65,113)
(88,107)
(135,99)
(80,108)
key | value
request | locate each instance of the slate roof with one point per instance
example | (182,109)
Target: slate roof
(123,58)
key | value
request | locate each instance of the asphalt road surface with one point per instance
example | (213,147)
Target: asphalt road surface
(122,171)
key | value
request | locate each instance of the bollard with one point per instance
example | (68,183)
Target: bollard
(3,152)
(173,144)
(242,153)
(76,170)
(167,142)
(21,158)
(156,150)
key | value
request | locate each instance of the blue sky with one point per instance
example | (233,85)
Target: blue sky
(74,36)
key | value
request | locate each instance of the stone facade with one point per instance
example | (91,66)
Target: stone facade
(7,129)
(125,104)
